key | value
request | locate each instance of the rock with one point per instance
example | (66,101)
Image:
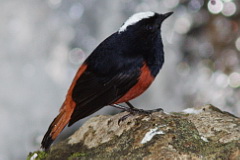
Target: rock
(196,133)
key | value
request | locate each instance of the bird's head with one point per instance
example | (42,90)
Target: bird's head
(144,22)
(141,32)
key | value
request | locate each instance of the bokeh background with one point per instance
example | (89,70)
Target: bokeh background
(43,42)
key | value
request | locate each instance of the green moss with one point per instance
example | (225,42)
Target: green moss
(219,150)
(77,155)
(188,140)
(41,155)
(180,114)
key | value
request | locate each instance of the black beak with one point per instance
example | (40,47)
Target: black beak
(166,15)
(162,17)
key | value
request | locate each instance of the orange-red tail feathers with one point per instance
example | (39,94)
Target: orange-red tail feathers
(64,116)
(56,127)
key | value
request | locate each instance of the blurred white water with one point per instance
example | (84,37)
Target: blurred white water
(42,43)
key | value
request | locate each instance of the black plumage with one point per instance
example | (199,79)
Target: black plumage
(118,70)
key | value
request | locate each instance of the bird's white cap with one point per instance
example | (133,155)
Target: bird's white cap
(135,18)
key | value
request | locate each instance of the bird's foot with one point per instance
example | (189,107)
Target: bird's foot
(138,111)
(133,111)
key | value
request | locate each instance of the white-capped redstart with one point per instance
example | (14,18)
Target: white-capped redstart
(121,68)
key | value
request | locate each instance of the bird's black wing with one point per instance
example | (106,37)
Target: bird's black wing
(94,91)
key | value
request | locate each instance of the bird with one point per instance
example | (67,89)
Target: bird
(118,70)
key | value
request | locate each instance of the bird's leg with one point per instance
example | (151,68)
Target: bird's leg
(128,109)
(141,111)
(133,110)
(129,105)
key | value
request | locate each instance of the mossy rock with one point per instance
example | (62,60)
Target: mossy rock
(199,133)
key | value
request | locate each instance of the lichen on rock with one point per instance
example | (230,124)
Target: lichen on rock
(204,133)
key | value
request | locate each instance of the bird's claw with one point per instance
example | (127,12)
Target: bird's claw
(146,112)
(123,118)
(134,111)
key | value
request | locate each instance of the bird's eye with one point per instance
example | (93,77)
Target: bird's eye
(149,28)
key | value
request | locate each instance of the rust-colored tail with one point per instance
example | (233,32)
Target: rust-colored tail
(65,114)
(55,128)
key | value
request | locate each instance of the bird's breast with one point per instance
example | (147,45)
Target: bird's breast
(144,81)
